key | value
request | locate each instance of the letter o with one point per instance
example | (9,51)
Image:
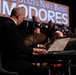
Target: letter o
(45,17)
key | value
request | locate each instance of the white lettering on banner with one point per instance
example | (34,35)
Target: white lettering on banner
(45,17)
(6,8)
(0,6)
(20,1)
(51,15)
(58,16)
(29,2)
(13,0)
(46,6)
(64,18)
(60,9)
(30,11)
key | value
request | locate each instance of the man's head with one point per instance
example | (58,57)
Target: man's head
(50,23)
(34,18)
(58,34)
(18,14)
(37,30)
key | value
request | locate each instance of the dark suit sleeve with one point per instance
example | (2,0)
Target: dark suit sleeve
(11,40)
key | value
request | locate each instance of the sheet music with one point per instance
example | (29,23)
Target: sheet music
(59,44)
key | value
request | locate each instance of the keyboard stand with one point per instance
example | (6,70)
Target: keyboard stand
(49,69)
(69,68)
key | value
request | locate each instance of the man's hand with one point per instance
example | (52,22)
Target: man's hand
(39,51)
(40,46)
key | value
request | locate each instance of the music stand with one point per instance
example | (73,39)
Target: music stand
(59,46)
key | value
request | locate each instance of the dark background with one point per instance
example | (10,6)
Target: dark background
(72,10)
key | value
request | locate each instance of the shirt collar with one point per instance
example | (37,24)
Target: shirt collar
(14,21)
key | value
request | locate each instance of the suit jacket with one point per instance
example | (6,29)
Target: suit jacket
(11,44)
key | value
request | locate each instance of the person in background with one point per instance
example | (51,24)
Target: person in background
(34,23)
(37,30)
(12,47)
(40,37)
(64,30)
(35,39)
(50,29)
(58,34)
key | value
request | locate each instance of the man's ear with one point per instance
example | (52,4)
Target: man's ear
(17,17)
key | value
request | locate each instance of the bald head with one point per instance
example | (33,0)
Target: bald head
(58,34)
(18,14)
(16,11)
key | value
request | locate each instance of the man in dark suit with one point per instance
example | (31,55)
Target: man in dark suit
(12,47)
